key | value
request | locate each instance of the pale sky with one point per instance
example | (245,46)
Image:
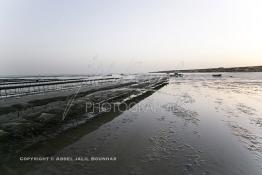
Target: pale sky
(115,36)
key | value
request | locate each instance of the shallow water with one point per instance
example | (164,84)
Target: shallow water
(195,125)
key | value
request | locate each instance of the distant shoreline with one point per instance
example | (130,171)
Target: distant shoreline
(220,69)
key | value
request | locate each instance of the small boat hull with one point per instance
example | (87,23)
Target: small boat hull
(217,75)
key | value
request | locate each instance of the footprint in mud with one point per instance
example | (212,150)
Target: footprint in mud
(179,111)
(256,121)
(161,118)
(245,109)
(252,142)
(219,101)
(127,120)
(186,98)
(164,146)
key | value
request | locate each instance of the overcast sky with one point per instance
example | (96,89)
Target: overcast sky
(105,36)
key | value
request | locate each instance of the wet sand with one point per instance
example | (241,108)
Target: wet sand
(195,125)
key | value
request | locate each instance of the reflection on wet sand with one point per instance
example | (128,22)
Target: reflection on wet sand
(199,125)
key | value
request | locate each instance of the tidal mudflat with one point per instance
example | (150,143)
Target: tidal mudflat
(197,124)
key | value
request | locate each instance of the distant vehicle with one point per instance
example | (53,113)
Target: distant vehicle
(176,75)
(217,75)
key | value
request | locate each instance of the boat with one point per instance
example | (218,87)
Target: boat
(217,75)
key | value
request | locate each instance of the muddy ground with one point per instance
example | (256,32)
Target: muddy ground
(197,124)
